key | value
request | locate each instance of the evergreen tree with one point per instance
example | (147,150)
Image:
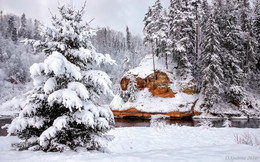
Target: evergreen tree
(173,9)
(205,12)
(232,49)
(194,59)
(256,29)
(212,72)
(152,23)
(156,31)
(244,8)
(22,30)
(1,22)
(129,93)
(196,13)
(152,26)
(130,50)
(179,34)
(62,112)
(218,10)
(131,88)
(11,30)
(14,35)
(161,35)
(2,50)
(10,27)
(188,33)
(36,30)
(248,39)
(128,38)
(163,48)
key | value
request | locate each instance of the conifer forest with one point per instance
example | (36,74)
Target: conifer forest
(101,94)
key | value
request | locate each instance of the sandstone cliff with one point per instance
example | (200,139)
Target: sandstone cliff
(156,92)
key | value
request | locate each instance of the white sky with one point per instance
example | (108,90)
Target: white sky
(113,13)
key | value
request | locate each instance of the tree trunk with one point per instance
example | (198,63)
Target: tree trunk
(197,33)
(247,51)
(153,60)
(197,40)
(166,60)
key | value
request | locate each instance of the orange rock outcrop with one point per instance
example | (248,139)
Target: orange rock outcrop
(157,83)
(132,112)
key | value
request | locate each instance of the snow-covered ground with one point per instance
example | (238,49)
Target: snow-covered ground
(170,143)
(147,103)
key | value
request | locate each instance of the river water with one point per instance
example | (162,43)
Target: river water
(134,122)
(239,123)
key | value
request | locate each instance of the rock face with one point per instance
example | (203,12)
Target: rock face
(161,92)
(132,112)
(157,83)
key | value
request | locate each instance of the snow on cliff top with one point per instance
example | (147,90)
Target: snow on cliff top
(145,67)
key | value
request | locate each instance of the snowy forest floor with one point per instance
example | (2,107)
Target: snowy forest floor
(170,143)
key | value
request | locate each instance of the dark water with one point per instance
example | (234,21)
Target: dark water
(238,123)
(4,121)
(133,122)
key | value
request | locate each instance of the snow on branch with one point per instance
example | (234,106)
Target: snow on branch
(100,80)
(80,89)
(66,97)
(59,65)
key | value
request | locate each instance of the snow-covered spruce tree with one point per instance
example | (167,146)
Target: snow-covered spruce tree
(205,12)
(12,30)
(128,39)
(196,12)
(129,93)
(188,30)
(156,31)
(173,8)
(256,29)
(152,27)
(212,72)
(232,47)
(36,30)
(161,34)
(195,22)
(22,30)
(163,45)
(248,39)
(131,89)
(161,37)
(62,113)
(178,19)
(124,95)
(153,23)
(130,52)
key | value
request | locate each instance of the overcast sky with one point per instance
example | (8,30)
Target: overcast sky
(113,13)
